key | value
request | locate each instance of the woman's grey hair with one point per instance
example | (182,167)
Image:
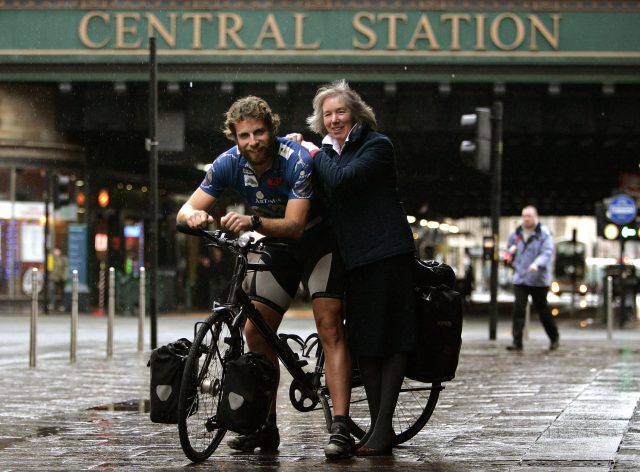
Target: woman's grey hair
(360,111)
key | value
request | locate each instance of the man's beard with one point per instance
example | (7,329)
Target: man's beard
(266,154)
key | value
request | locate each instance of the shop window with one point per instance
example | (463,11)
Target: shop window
(30,185)
(5,183)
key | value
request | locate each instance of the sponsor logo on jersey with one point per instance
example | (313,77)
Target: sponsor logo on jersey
(285,151)
(249,178)
(275,181)
(268,201)
(259,194)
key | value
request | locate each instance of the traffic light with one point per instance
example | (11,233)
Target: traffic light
(477,152)
(103,198)
(62,194)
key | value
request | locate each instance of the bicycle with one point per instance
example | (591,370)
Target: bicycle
(219,339)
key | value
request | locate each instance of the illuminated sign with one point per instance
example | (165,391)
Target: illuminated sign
(132,231)
(101,242)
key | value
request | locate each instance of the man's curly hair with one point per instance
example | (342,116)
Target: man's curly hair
(249,108)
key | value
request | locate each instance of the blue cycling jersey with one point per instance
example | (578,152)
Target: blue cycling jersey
(288,178)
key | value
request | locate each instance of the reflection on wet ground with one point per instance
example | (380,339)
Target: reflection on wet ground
(6,442)
(40,432)
(140,406)
(575,409)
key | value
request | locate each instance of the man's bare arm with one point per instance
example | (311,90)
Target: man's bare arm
(194,213)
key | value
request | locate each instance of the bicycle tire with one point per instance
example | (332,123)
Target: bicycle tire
(201,387)
(416,403)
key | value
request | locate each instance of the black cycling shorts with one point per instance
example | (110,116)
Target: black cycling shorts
(315,262)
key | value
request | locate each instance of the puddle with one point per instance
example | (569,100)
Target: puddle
(43,431)
(40,432)
(141,406)
(7,442)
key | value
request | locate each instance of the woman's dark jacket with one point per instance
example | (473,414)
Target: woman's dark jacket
(361,183)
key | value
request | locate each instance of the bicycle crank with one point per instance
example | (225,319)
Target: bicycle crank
(302,395)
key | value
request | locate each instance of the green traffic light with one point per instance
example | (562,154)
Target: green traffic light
(627,232)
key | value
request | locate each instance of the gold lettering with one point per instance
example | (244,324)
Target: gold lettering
(225,31)
(392,18)
(83,29)
(537,26)
(364,30)
(495,31)
(153,25)
(455,28)
(480,32)
(423,31)
(196,42)
(122,30)
(299,44)
(270,30)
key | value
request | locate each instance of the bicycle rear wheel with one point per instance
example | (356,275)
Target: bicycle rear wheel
(201,387)
(416,403)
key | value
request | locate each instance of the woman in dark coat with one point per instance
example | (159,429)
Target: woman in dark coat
(356,168)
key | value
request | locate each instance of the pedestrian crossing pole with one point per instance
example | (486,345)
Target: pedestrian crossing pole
(152,148)
(496,192)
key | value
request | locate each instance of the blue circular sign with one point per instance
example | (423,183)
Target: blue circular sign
(622,209)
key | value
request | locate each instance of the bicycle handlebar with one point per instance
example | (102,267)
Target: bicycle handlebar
(248,244)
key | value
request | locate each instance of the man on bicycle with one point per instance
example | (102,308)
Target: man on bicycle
(274,177)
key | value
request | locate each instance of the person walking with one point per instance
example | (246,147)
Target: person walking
(356,167)
(273,175)
(59,278)
(530,254)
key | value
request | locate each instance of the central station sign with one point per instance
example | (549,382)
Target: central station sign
(310,35)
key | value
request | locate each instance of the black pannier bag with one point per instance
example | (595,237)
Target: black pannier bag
(439,323)
(167,364)
(429,273)
(249,386)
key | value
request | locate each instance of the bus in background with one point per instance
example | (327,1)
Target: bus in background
(570,268)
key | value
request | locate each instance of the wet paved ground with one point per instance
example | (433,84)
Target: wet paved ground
(575,409)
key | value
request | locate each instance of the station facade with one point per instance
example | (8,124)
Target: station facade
(74,103)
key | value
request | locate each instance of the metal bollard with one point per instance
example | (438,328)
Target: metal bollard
(609,302)
(74,315)
(101,284)
(142,309)
(111,316)
(34,317)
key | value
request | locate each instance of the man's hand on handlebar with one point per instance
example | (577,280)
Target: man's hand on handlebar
(199,219)
(236,222)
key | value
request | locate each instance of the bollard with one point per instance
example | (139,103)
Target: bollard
(74,315)
(527,320)
(34,317)
(142,309)
(112,303)
(101,283)
(609,303)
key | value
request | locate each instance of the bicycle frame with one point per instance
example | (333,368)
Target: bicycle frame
(241,308)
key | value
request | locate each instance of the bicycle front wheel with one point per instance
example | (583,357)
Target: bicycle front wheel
(416,403)
(201,387)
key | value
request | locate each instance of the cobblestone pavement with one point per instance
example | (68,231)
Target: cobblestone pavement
(575,409)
